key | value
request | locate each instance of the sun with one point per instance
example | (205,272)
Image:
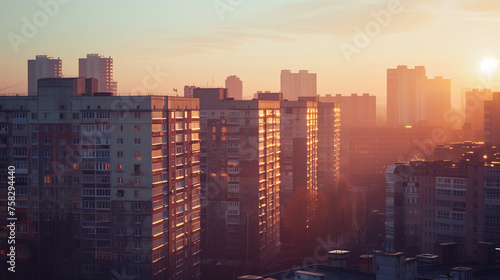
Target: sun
(489,66)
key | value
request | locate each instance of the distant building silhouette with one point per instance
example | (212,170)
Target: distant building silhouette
(412,98)
(100,68)
(474,108)
(294,85)
(234,87)
(405,95)
(188,91)
(492,120)
(438,101)
(357,110)
(42,67)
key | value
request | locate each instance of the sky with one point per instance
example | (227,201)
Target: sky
(349,44)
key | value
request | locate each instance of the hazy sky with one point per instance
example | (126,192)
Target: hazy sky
(201,42)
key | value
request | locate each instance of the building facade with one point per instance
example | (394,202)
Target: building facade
(492,120)
(299,161)
(100,68)
(298,84)
(108,185)
(188,91)
(430,203)
(358,111)
(42,67)
(474,108)
(234,87)
(240,161)
(329,143)
(413,98)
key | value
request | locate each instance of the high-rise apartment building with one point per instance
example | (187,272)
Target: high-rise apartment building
(413,98)
(430,203)
(188,91)
(100,68)
(474,108)
(438,101)
(234,87)
(42,67)
(405,95)
(299,160)
(240,161)
(294,85)
(492,120)
(106,186)
(329,133)
(358,111)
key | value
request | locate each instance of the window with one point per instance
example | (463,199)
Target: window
(137,206)
(137,168)
(46,154)
(138,232)
(137,128)
(76,179)
(119,154)
(62,128)
(120,128)
(119,141)
(75,128)
(119,167)
(34,128)
(76,141)
(137,141)
(120,193)
(137,115)
(47,179)
(119,180)
(137,193)
(137,155)
(46,128)
(46,141)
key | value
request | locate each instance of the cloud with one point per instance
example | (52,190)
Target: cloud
(335,18)
(481,7)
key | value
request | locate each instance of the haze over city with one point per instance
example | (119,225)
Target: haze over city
(261,140)
(201,42)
